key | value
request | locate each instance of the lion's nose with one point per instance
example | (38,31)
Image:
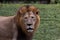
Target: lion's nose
(29,24)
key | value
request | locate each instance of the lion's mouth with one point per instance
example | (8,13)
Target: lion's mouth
(30,29)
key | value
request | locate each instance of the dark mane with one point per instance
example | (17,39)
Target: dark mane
(22,36)
(27,6)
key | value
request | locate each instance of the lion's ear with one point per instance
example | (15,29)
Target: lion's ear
(19,12)
(23,10)
(37,12)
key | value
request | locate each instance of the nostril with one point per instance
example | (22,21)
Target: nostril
(32,17)
(29,24)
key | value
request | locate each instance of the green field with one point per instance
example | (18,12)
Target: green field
(50,19)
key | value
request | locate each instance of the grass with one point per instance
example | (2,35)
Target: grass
(49,28)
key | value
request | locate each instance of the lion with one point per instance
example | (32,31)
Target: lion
(20,26)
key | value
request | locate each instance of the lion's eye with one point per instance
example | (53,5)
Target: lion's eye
(25,17)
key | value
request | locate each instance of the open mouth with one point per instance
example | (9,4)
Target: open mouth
(30,29)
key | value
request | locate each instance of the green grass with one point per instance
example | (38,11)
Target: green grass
(49,28)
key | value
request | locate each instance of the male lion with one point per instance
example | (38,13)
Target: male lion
(20,26)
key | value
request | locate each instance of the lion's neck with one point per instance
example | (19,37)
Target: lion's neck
(23,36)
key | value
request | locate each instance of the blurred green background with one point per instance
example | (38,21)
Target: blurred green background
(49,28)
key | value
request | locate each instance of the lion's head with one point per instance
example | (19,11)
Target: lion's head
(28,18)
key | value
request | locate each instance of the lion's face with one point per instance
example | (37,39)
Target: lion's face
(28,18)
(29,21)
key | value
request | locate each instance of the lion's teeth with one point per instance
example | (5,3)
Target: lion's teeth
(30,30)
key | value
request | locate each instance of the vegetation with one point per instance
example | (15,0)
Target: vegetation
(31,1)
(49,28)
